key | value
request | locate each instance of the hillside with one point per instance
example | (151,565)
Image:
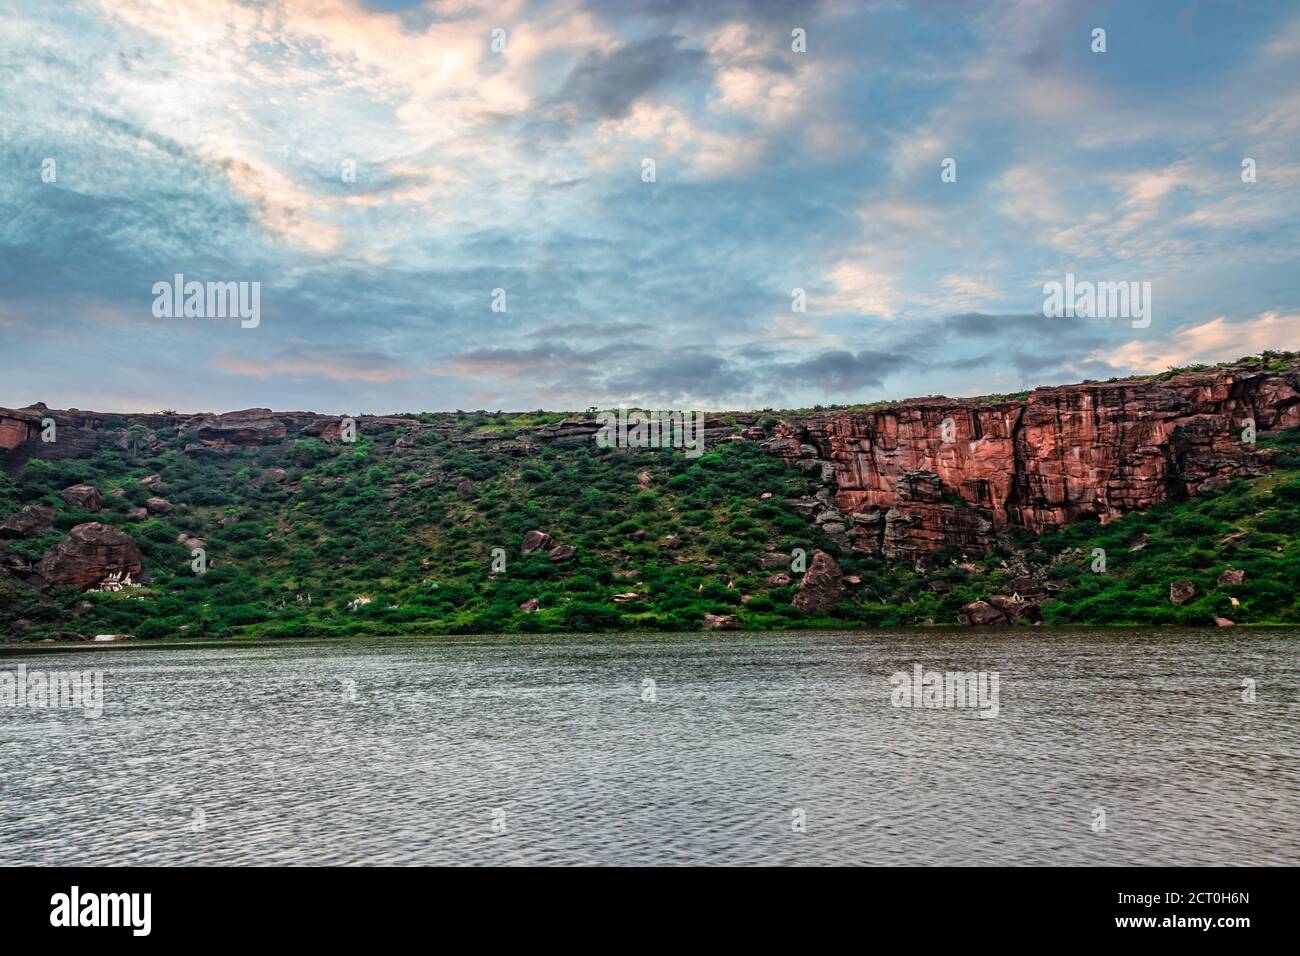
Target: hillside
(406,530)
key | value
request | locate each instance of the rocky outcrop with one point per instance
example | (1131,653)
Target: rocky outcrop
(822,585)
(252,426)
(1180,592)
(999,609)
(90,554)
(930,473)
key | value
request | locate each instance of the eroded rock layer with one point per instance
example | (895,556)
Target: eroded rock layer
(936,472)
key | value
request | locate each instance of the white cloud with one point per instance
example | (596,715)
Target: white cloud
(1215,341)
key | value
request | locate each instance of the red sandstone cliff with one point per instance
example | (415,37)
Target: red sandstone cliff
(1059,455)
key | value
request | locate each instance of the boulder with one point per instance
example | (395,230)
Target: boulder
(529,606)
(536,541)
(465,489)
(1014,607)
(778,580)
(89,554)
(772,560)
(27,521)
(625,597)
(721,622)
(822,585)
(157,506)
(1232,575)
(981,613)
(1224,622)
(562,552)
(1180,592)
(83,496)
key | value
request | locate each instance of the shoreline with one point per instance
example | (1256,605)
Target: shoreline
(619,637)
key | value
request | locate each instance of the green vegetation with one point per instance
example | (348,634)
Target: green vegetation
(299,553)
(1250,526)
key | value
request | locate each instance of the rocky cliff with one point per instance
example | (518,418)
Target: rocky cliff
(899,481)
(929,473)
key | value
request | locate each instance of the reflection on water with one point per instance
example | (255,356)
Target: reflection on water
(682,749)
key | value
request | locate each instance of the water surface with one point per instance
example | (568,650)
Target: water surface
(524,750)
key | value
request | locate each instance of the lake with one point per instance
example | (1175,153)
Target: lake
(1105,747)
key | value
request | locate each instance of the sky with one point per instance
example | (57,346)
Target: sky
(380,167)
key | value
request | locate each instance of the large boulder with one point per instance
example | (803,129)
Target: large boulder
(83,496)
(536,541)
(562,552)
(90,553)
(1232,575)
(1180,592)
(981,614)
(27,521)
(822,585)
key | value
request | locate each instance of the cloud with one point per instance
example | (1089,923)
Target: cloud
(335,365)
(208,136)
(605,85)
(1217,340)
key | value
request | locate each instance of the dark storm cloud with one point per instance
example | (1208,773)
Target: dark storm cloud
(604,86)
(840,370)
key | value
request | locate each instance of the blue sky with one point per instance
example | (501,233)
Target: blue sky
(208,138)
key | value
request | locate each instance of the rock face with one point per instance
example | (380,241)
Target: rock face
(90,553)
(253,426)
(930,473)
(1180,592)
(822,585)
